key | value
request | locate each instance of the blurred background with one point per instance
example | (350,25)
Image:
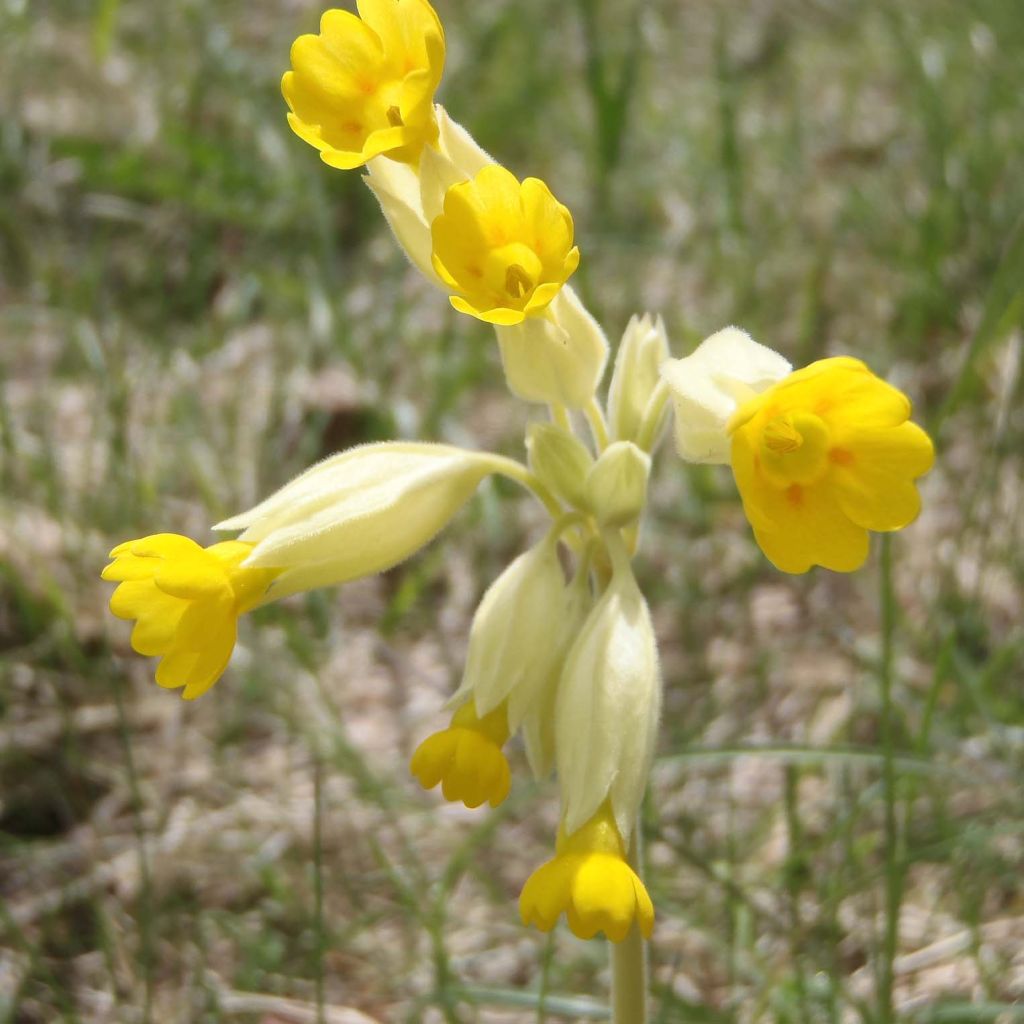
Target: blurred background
(193,308)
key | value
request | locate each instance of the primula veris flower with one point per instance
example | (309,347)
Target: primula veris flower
(359,512)
(821,458)
(504,248)
(591,882)
(466,758)
(186,600)
(365,85)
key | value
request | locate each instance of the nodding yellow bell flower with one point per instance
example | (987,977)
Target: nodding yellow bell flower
(365,85)
(591,882)
(466,758)
(822,457)
(503,247)
(186,600)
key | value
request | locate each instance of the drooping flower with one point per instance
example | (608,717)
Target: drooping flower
(364,86)
(821,458)
(590,881)
(504,248)
(466,758)
(186,600)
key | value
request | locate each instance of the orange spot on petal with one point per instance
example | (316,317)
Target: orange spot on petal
(795,495)
(840,456)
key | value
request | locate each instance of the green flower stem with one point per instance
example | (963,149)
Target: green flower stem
(629,962)
(598,426)
(517,471)
(652,416)
(560,417)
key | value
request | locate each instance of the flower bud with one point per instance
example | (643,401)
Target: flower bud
(560,461)
(707,387)
(557,359)
(515,642)
(358,512)
(609,700)
(644,347)
(616,488)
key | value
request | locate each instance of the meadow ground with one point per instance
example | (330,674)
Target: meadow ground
(193,308)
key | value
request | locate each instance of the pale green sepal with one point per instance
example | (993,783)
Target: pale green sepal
(359,512)
(560,461)
(539,722)
(514,642)
(456,158)
(609,702)
(397,189)
(557,358)
(616,489)
(708,385)
(644,347)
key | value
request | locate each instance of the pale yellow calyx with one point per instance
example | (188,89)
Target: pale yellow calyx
(504,248)
(591,882)
(364,86)
(186,600)
(466,758)
(822,457)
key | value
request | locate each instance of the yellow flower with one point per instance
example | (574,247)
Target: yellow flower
(466,758)
(362,88)
(823,456)
(590,881)
(187,601)
(504,248)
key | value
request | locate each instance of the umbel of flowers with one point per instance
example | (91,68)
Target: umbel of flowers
(820,456)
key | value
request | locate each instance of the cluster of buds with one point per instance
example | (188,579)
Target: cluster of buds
(561,648)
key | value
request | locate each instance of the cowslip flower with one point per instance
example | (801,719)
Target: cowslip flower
(820,456)
(364,86)
(187,600)
(517,644)
(466,759)
(590,881)
(504,248)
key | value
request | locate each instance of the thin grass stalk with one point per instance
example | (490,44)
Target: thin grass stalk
(892,853)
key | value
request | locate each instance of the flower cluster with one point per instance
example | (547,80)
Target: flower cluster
(568,660)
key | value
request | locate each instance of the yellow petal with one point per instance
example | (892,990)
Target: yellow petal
(808,528)
(873,475)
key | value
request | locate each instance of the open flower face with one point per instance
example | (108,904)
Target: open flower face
(822,457)
(503,247)
(365,86)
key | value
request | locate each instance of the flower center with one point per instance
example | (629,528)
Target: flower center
(514,270)
(794,448)
(517,282)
